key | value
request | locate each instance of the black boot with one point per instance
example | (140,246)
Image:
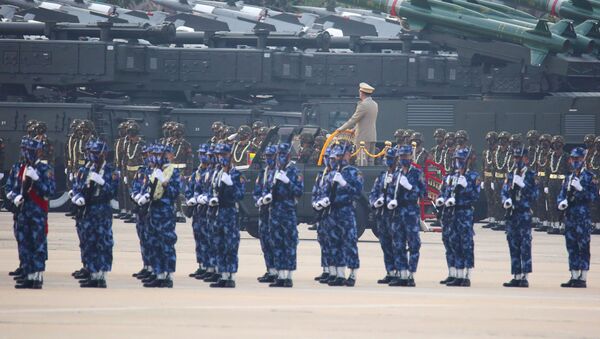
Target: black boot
(278,283)
(212,278)
(16,272)
(141,272)
(339,281)
(77,272)
(94,283)
(144,275)
(455,282)
(267,278)
(323,275)
(578,283)
(84,274)
(410,282)
(448,280)
(524,283)
(30,284)
(350,282)
(398,282)
(512,283)
(149,279)
(195,273)
(386,280)
(159,283)
(568,283)
(223,283)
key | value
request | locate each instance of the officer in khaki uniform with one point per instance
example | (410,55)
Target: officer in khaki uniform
(488,178)
(364,123)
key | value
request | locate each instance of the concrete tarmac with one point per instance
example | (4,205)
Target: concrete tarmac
(308,310)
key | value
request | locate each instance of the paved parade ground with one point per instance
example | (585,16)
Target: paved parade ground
(309,310)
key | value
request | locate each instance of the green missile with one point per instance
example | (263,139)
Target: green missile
(576,10)
(442,16)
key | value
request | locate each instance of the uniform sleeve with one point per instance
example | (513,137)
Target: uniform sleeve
(174,186)
(589,192)
(46,185)
(563,191)
(111,183)
(530,191)
(190,187)
(316,190)
(470,194)
(416,180)
(258,186)
(296,183)
(505,192)
(236,191)
(377,189)
(355,118)
(353,188)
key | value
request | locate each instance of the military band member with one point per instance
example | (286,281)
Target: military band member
(557,169)
(502,158)
(488,187)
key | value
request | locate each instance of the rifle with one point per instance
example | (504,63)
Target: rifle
(460,172)
(26,183)
(144,209)
(513,195)
(87,192)
(570,193)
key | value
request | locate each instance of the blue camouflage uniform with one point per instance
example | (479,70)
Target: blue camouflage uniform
(32,214)
(459,217)
(341,218)
(212,215)
(161,220)
(578,224)
(12,189)
(283,223)
(378,195)
(197,185)
(318,193)
(227,231)
(136,189)
(96,223)
(518,201)
(405,218)
(262,187)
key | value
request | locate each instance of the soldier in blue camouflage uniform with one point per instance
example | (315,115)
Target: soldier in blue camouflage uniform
(519,194)
(577,192)
(288,185)
(318,193)
(378,198)
(346,187)
(262,187)
(211,274)
(33,187)
(161,193)
(229,191)
(196,187)
(406,190)
(100,186)
(12,190)
(141,222)
(461,192)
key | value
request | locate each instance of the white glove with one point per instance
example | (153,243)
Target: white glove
(267,199)
(71,177)
(1,175)
(508,203)
(482,186)
(576,184)
(143,200)
(159,175)
(281,176)
(11,195)
(519,181)
(66,171)
(450,202)
(392,204)
(404,182)
(325,202)
(32,173)
(492,186)
(214,201)
(439,202)
(339,179)
(226,179)
(563,205)
(202,199)
(259,202)
(546,190)
(191,202)
(449,180)
(462,181)
(80,201)
(378,203)
(125,179)
(317,205)
(389,178)
(137,197)
(18,200)
(97,178)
